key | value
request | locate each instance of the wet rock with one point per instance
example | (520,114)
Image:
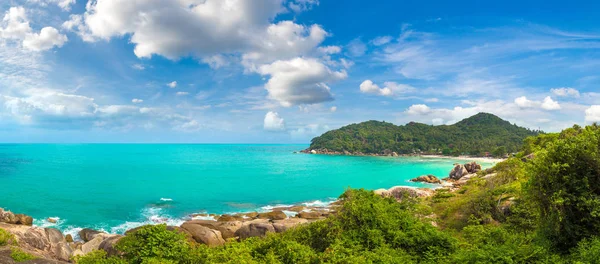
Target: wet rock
(228,218)
(51,220)
(427,178)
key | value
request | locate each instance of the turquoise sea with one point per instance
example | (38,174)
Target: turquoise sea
(115,187)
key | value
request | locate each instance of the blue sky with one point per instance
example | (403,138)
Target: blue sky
(275,71)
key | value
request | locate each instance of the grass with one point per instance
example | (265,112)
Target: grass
(19,255)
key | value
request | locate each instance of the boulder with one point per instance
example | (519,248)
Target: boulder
(285,224)
(24,219)
(7,217)
(274,215)
(88,234)
(401,192)
(313,152)
(227,218)
(394,154)
(92,244)
(51,220)
(54,235)
(251,215)
(254,230)
(227,229)
(427,178)
(204,235)
(309,215)
(108,245)
(69,238)
(472,167)
(457,172)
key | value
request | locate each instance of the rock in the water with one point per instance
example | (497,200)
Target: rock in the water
(457,172)
(254,230)
(69,238)
(283,225)
(313,152)
(51,220)
(472,167)
(427,178)
(274,215)
(88,234)
(204,235)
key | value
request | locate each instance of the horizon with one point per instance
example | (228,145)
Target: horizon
(286,71)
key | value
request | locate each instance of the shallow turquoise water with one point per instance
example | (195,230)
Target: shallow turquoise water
(119,186)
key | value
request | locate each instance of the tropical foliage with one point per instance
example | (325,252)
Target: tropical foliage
(475,135)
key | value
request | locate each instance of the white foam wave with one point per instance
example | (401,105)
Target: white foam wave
(318,203)
(269,208)
(166,199)
(151,216)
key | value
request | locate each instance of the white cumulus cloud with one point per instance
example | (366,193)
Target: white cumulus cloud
(418,109)
(137,101)
(15,26)
(172,84)
(592,114)
(300,81)
(389,89)
(549,104)
(565,92)
(273,122)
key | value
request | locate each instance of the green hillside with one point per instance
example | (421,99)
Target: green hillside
(475,135)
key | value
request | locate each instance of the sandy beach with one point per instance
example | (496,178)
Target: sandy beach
(467,158)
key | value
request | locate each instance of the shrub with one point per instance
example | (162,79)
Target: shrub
(153,242)
(19,255)
(587,251)
(565,185)
(6,238)
(98,257)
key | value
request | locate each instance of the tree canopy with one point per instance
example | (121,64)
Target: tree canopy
(475,135)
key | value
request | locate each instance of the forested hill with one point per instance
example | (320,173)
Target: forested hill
(475,135)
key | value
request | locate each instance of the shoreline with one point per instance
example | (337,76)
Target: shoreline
(465,158)
(394,154)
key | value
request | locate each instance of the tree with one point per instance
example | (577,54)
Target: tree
(565,185)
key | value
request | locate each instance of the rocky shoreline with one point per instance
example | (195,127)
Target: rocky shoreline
(213,230)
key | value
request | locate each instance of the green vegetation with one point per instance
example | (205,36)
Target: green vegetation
(539,207)
(19,255)
(475,135)
(6,238)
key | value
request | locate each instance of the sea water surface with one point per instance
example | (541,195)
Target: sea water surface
(115,187)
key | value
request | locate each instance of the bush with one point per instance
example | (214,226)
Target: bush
(19,255)
(97,257)
(153,242)
(587,251)
(6,238)
(488,244)
(565,186)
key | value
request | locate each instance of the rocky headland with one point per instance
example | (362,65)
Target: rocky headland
(50,245)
